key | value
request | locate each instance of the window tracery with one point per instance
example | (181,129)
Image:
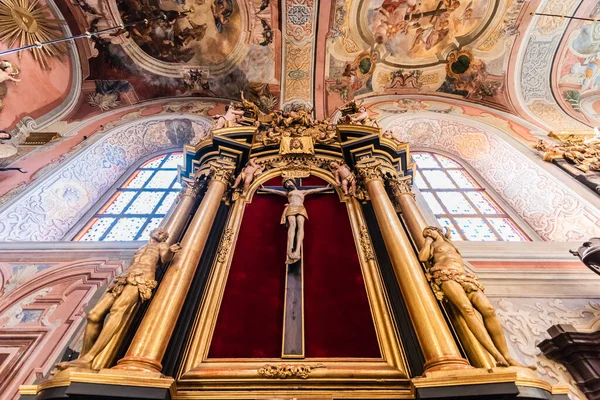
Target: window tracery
(139,204)
(460,203)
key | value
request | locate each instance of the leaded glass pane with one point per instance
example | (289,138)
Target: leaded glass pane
(97,229)
(419,181)
(476,230)
(152,224)
(507,230)
(162,180)
(456,203)
(425,160)
(145,203)
(438,179)
(466,210)
(483,203)
(433,204)
(445,222)
(126,229)
(154,163)
(173,161)
(462,179)
(137,207)
(445,162)
(167,202)
(117,203)
(139,179)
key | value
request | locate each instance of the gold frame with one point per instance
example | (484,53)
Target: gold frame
(385,377)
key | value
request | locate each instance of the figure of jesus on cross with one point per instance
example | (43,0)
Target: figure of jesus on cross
(294,215)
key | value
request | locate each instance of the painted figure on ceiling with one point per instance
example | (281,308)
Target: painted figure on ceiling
(222,11)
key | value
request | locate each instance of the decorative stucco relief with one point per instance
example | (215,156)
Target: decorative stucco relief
(547,205)
(526,321)
(41,309)
(51,207)
(534,68)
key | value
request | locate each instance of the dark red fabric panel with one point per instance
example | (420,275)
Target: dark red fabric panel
(313,181)
(273,182)
(250,321)
(338,320)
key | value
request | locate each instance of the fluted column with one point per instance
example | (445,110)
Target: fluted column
(436,341)
(416,222)
(152,337)
(175,223)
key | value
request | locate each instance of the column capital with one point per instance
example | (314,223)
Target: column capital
(401,185)
(369,169)
(194,189)
(222,171)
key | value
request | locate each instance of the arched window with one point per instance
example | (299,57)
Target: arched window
(139,204)
(460,203)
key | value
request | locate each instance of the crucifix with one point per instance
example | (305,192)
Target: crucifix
(433,13)
(294,216)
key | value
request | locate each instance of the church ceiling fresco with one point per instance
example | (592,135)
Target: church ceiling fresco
(456,48)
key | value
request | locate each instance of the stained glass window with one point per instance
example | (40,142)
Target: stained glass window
(139,204)
(460,203)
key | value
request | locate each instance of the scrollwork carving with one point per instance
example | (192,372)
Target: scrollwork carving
(365,244)
(225,245)
(284,371)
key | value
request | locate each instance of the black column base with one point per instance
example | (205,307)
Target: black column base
(490,391)
(95,391)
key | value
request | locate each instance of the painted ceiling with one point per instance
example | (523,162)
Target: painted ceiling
(492,55)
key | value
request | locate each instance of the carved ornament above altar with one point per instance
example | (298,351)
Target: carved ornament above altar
(288,370)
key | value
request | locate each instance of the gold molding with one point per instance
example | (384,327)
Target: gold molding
(365,243)
(225,245)
(284,371)
(372,377)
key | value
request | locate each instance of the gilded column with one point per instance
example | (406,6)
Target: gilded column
(416,222)
(176,221)
(436,341)
(152,337)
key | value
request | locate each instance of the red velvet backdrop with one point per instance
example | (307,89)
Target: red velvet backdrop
(338,320)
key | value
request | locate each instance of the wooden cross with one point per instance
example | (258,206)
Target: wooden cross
(292,345)
(433,13)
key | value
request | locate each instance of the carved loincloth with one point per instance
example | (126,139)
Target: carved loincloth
(436,277)
(134,278)
(291,211)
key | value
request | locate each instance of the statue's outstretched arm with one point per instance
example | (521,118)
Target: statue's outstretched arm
(318,190)
(273,191)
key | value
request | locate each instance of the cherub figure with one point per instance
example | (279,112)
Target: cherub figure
(344,177)
(250,171)
(451,282)
(362,117)
(396,137)
(231,118)
(8,71)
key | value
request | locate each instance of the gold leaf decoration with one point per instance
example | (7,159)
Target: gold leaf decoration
(27,22)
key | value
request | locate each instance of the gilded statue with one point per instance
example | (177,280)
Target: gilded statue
(127,290)
(344,177)
(232,117)
(451,282)
(8,73)
(584,156)
(355,114)
(249,172)
(294,215)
